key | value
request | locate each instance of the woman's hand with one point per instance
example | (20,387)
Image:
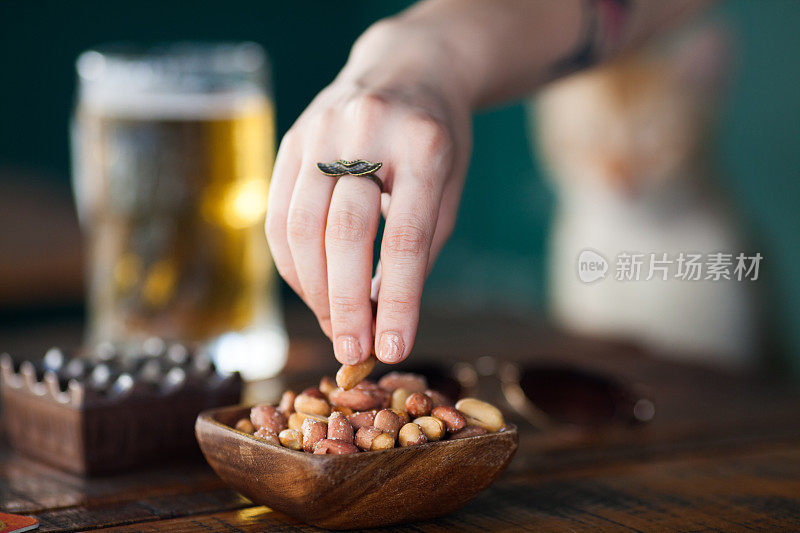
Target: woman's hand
(386,105)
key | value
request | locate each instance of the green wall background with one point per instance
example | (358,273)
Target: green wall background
(496,256)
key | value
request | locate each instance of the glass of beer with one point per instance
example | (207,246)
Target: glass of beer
(172,152)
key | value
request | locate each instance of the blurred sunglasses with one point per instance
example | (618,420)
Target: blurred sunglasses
(557,395)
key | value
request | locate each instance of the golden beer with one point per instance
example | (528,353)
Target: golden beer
(171,183)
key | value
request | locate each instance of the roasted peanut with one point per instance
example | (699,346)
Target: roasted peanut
(418,404)
(267,435)
(364,437)
(313,432)
(404,418)
(327,385)
(334,447)
(245,426)
(403,380)
(478,413)
(296,419)
(373,439)
(335,420)
(311,405)
(351,375)
(389,422)
(468,431)
(339,428)
(384,441)
(291,438)
(269,417)
(399,397)
(286,405)
(438,398)
(315,392)
(362,419)
(411,435)
(432,427)
(452,419)
(363,397)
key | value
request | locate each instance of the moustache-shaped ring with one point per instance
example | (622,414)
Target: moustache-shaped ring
(358,167)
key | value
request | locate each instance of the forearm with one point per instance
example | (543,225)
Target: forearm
(481,52)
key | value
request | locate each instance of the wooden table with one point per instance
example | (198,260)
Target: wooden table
(723,452)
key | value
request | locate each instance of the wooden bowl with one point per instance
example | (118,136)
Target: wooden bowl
(366,489)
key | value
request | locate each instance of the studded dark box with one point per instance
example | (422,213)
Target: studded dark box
(110,413)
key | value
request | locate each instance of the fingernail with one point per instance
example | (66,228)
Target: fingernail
(348,349)
(390,347)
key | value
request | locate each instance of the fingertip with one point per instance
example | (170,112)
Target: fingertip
(366,355)
(348,350)
(339,358)
(390,347)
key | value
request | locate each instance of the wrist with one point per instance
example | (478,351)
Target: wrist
(404,58)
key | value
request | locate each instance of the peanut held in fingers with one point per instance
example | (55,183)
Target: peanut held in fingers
(269,417)
(432,427)
(452,419)
(399,397)
(481,414)
(334,447)
(339,428)
(389,422)
(245,426)
(372,439)
(267,435)
(351,375)
(313,432)
(311,405)
(411,435)
(286,405)
(418,404)
(403,380)
(291,438)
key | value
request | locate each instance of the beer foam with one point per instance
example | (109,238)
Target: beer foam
(171,106)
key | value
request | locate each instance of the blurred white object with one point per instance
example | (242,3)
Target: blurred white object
(626,146)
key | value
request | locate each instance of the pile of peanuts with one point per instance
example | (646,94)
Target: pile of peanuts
(352,415)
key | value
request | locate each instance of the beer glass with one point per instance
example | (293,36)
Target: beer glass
(172,152)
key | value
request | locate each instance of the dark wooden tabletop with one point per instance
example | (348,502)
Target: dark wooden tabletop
(722,453)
